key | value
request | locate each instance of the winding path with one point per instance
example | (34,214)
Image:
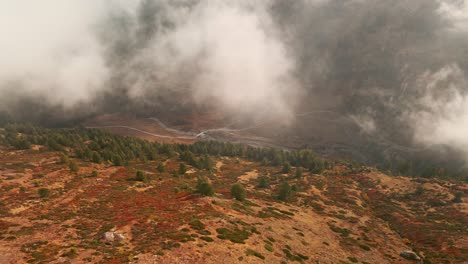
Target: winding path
(261,140)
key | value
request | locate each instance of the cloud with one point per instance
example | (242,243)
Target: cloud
(48,49)
(224,54)
(439,115)
(227,54)
(457,13)
(398,68)
(244,67)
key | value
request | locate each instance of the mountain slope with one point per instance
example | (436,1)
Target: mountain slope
(62,206)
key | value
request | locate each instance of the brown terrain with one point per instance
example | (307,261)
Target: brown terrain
(343,215)
(143,128)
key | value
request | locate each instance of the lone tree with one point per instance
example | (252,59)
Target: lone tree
(286,168)
(285,192)
(141,176)
(204,187)
(182,169)
(238,192)
(263,183)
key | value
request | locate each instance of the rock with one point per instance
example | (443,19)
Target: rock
(109,236)
(408,254)
(119,237)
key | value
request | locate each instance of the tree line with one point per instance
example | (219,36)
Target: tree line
(100,146)
(103,147)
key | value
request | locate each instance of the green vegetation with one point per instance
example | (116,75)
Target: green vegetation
(269,247)
(299,172)
(94,173)
(64,159)
(284,192)
(197,225)
(238,192)
(263,183)
(73,166)
(235,235)
(96,158)
(161,167)
(294,257)
(342,231)
(182,169)
(286,167)
(207,238)
(103,147)
(141,176)
(251,252)
(458,197)
(365,247)
(21,143)
(204,187)
(43,192)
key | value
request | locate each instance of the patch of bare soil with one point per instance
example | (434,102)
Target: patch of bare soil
(143,128)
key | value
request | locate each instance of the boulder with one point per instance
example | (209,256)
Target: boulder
(119,237)
(109,236)
(408,254)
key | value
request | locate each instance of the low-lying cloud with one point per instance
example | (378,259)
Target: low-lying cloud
(439,115)
(398,68)
(223,53)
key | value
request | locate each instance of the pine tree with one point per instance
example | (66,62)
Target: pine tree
(204,187)
(263,183)
(182,168)
(238,192)
(285,192)
(286,168)
(141,176)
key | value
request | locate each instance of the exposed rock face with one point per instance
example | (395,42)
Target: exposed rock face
(109,236)
(408,254)
(113,236)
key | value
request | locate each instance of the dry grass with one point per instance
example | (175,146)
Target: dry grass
(368,217)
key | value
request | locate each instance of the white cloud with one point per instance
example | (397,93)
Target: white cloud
(440,116)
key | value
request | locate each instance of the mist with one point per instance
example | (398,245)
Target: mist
(397,68)
(223,54)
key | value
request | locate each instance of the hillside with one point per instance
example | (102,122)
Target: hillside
(330,134)
(87,196)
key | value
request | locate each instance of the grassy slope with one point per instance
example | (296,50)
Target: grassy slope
(341,215)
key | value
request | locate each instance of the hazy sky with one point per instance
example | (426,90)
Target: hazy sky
(386,64)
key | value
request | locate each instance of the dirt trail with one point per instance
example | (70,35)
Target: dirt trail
(234,134)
